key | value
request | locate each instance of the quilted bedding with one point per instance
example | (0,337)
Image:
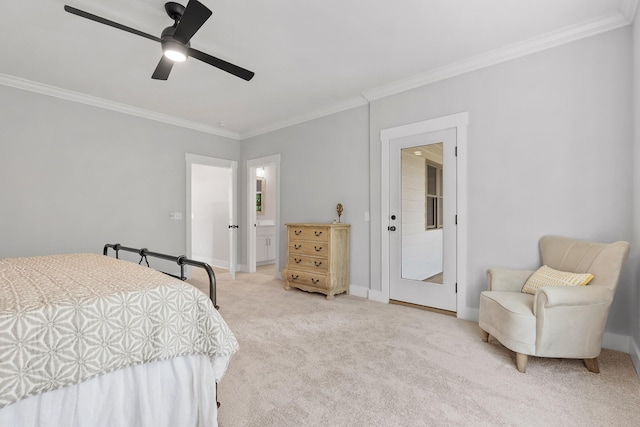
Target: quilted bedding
(68,318)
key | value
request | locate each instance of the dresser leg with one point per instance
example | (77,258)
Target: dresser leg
(287,287)
(330,297)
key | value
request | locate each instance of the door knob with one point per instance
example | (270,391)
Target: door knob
(392,228)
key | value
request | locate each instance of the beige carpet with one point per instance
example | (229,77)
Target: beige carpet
(306,361)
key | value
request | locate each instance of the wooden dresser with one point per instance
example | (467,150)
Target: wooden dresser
(317,258)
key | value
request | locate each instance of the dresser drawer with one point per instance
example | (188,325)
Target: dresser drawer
(314,234)
(320,249)
(308,263)
(300,277)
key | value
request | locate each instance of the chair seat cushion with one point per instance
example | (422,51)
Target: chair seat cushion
(508,317)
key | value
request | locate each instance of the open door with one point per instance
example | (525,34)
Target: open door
(233,221)
(211,218)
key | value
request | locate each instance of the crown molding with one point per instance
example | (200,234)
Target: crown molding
(625,16)
(517,50)
(628,9)
(356,101)
(81,98)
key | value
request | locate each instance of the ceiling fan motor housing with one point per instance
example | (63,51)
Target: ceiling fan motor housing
(171,44)
(174,10)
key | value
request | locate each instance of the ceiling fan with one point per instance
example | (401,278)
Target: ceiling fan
(175,39)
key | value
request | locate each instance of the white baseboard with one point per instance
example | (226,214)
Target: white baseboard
(616,342)
(377,296)
(634,352)
(358,291)
(219,263)
(469,313)
(211,261)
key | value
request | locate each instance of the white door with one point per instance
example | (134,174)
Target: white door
(226,220)
(233,220)
(422,219)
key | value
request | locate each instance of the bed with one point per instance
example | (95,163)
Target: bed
(90,340)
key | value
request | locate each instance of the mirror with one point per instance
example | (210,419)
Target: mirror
(260,193)
(422,202)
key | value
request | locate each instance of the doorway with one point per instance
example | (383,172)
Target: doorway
(211,211)
(451,131)
(422,203)
(263,215)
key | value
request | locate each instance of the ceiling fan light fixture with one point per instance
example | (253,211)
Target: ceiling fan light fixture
(174,55)
(174,51)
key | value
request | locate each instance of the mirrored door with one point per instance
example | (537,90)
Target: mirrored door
(422,221)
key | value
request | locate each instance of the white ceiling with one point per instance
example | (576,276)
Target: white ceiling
(310,57)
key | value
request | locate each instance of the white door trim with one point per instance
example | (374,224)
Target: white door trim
(458,121)
(252,165)
(192,159)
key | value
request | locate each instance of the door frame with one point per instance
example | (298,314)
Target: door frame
(251,167)
(458,121)
(232,165)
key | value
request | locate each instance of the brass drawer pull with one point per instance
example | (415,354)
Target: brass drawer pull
(317,263)
(297,232)
(298,260)
(297,246)
(315,281)
(294,276)
(317,233)
(318,249)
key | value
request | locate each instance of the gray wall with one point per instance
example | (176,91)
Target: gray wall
(74,177)
(549,152)
(634,257)
(323,162)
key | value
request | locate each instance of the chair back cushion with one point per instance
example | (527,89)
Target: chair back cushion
(603,260)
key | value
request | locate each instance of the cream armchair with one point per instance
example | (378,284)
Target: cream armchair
(562,322)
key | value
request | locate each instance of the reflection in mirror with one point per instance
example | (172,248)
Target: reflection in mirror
(260,195)
(422,201)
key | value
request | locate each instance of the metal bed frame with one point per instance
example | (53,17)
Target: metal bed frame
(180,260)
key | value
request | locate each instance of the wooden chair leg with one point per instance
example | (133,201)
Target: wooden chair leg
(485,335)
(521,362)
(592,365)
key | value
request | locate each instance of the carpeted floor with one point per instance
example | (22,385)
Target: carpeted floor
(306,361)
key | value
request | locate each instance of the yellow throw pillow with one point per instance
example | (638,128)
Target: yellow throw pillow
(547,276)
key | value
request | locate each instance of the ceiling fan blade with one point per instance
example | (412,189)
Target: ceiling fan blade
(223,65)
(104,21)
(195,14)
(163,69)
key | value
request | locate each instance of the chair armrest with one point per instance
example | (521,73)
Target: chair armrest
(555,296)
(502,279)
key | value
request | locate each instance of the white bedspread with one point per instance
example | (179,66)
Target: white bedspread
(179,392)
(67,318)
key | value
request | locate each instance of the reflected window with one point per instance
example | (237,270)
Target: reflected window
(433,196)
